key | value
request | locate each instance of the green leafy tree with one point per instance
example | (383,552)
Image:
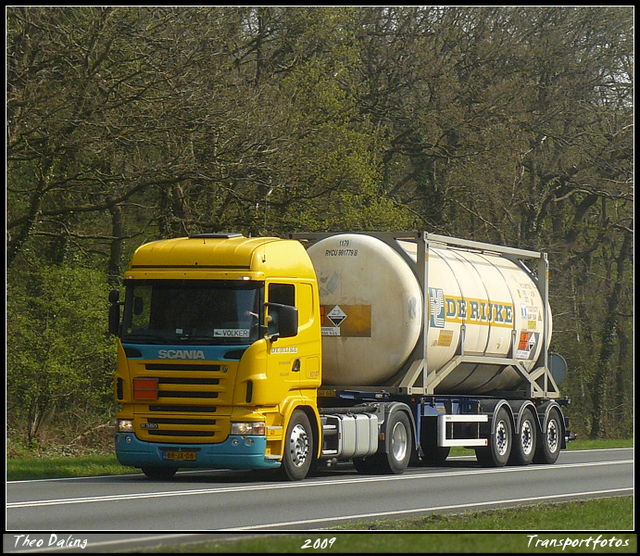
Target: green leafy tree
(505,124)
(60,361)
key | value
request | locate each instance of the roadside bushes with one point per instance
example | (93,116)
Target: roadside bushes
(60,358)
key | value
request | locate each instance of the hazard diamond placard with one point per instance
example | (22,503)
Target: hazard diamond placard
(336,315)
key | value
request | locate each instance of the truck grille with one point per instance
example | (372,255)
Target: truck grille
(185,407)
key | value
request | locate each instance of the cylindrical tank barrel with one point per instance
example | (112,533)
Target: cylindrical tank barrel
(374,312)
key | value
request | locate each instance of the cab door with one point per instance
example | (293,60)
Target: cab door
(283,357)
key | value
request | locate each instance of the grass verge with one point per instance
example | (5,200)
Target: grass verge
(542,523)
(59,467)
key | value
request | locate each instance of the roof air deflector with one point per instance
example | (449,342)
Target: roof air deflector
(215,235)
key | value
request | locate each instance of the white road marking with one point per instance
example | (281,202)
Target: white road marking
(307,484)
(396,513)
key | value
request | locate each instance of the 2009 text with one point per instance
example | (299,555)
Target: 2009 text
(320,544)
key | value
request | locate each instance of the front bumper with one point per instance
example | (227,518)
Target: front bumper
(237,452)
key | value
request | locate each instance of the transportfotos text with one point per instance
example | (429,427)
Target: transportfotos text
(593,543)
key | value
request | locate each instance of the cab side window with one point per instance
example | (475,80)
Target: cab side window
(285,294)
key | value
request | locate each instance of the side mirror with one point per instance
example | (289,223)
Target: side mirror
(114,296)
(286,320)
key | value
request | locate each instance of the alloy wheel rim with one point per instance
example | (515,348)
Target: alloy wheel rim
(299,445)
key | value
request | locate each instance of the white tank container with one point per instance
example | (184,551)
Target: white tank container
(374,312)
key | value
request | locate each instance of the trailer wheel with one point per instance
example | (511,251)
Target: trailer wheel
(499,449)
(524,444)
(550,441)
(298,449)
(159,473)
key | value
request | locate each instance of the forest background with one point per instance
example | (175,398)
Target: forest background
(512,125)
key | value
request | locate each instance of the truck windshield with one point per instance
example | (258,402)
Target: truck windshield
(194,312)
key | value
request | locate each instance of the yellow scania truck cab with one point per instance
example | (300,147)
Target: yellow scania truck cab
(219,347)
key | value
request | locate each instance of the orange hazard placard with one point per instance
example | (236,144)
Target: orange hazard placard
(524,340)
(346,320)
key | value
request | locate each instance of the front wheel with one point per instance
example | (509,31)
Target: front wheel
(298,449)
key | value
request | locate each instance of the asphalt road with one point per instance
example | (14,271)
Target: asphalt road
(211,501)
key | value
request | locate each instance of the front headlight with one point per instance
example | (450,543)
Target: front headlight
(246,429)
(125,425)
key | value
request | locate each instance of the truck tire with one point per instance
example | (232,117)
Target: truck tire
(399,447)
(500,443)
(550,439)
(298,450)
(159,473)
(524,443)
(399,444)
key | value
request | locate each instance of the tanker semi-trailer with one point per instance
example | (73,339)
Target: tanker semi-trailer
(381,348)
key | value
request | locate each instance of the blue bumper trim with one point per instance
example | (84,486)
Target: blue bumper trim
(225,455)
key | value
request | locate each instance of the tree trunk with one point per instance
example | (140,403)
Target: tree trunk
(115,255)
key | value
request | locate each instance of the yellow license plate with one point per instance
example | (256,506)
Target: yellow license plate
(188,456)
(326,393)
